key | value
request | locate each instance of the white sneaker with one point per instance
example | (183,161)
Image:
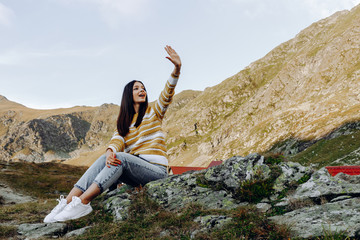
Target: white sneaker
(61,205)
(74,210)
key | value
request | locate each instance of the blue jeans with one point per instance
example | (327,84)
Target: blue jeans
(133,171)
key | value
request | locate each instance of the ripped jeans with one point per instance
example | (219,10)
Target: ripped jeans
(133,171)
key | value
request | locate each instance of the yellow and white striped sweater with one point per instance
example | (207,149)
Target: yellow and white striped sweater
(147,140)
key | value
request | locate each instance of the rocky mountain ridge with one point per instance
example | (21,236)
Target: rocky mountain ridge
(59,134)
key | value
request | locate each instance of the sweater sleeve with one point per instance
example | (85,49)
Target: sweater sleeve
(165,97)
(117,143)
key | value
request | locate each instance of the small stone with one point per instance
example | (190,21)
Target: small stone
(165,233)
(77,232)
(263,207)
(340,198)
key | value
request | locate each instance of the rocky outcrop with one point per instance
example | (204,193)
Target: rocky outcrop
(39,230)
(308,201)
(324,203)
(342,216)
(41,135)
(42,139)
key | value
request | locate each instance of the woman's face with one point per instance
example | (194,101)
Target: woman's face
(139,93)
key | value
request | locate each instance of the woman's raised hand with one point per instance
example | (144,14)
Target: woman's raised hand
(175,59)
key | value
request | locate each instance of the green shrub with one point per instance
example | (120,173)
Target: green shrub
(274,158)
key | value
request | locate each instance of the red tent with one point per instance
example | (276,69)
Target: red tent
(350,170)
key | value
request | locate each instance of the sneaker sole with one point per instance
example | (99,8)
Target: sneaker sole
(82,214)
(75,217)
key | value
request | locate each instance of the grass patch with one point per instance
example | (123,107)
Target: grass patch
(30,212)
(326,151)
(43,180)
(7,231)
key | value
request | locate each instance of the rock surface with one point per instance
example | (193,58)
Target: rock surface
(38,230)
(340,216)
(179,190)
(210,222)
(324,202)
(76,232)
(9,196)
(323,185)
(312,201)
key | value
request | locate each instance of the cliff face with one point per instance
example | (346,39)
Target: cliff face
(302,89)
(45,135)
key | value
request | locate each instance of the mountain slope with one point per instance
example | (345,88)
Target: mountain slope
(304,89)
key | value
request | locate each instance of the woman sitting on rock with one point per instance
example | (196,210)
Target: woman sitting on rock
(136,154)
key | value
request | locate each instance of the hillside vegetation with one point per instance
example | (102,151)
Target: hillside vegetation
(303,89)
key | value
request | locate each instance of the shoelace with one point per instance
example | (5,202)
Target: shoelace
(74,201)
(59,204)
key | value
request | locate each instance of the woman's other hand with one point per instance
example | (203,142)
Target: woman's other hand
(111,158)
(175,59)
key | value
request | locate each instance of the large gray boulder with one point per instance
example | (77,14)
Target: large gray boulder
(238,169)
(324,203)
(342,216)
(217,187)
(38,230)
(117,202)
(179,190)
(292,173)
(322,185)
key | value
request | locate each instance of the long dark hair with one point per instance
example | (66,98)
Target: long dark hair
(127,110)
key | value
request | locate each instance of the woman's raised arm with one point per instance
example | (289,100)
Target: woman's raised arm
(175,59)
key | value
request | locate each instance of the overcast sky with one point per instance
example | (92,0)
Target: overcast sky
(62,53)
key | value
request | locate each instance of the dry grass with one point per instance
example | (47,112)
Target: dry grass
(31,212)
(87,158)
(44,180)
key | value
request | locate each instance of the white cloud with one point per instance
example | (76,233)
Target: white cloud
(6,14)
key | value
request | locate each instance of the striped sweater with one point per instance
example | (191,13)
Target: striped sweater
(148,138)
